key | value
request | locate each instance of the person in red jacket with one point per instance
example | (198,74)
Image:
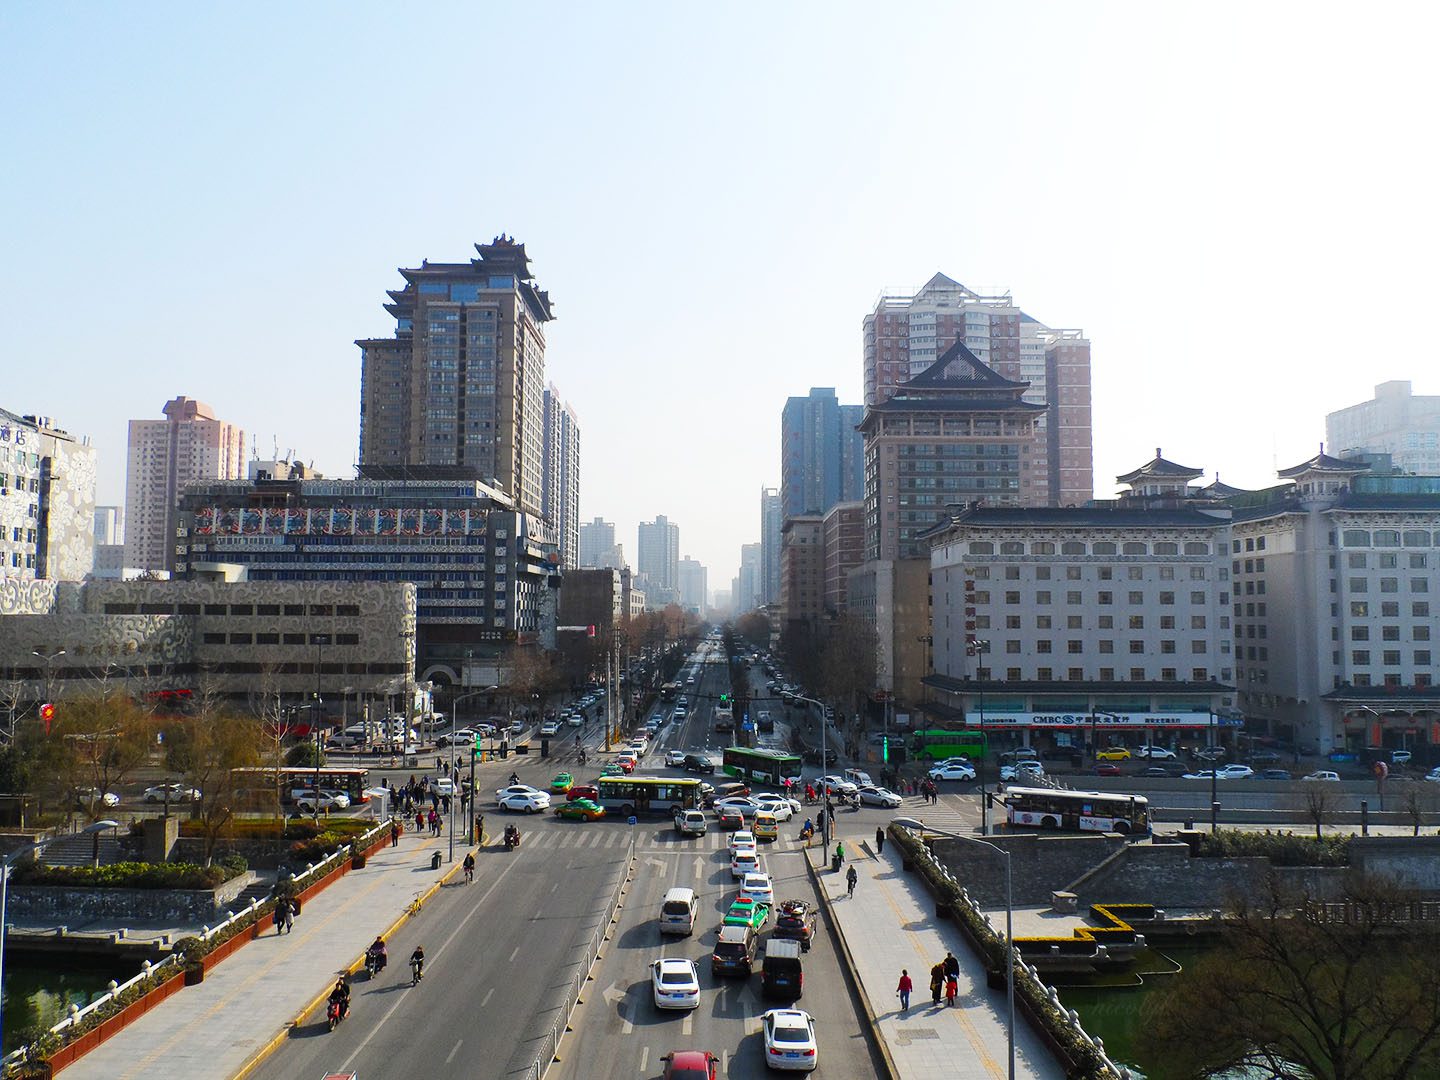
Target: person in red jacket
(904,989)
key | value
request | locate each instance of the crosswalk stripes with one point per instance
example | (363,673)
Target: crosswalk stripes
(593,836)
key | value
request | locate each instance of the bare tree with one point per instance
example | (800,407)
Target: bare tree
(1300,989)
(1318,802)
(1417,804)
(207,749)
(846,668)
(93,747)
(526,672)
(12,694)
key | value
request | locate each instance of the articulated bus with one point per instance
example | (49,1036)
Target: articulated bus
(350,782)
(1082,811)
(649,794)
(761,765)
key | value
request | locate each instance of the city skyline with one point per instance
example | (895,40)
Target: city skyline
(1192,204)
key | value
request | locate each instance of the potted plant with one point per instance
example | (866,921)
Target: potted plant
(193,950)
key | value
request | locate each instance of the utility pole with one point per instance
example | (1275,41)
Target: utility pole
(321,640)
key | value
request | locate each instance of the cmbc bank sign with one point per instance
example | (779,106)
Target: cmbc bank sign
(1100,720)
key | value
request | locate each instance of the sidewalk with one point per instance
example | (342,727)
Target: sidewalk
(890,924)
(212,1030)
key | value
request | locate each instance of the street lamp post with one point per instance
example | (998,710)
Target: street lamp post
(978,648)
(474,799)
(48,689)
(911,823)
(1214,777)
(824,762)
(320,641)
(11,859)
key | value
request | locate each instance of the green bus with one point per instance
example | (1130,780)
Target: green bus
(761,765)
(937,744)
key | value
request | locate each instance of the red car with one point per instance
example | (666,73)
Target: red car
(1105,768)
(585,791)
(690,1065)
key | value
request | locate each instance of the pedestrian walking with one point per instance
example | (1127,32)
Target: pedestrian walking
(394,833)
(952,988)
(879,840)
(419,820)
(937,980)
(906,985)
(286,907)
(950,966)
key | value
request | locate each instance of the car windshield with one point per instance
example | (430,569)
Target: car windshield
(789,1034)
(687,1073)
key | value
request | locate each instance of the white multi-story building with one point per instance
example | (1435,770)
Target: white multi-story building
(657,556)
(561,494)
(1336,619)
(1106,622)
(1396,422)
(47,501)
(189,446)
(692,582)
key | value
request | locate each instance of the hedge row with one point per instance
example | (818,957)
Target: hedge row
(1281,848)
(1086,1062)
(125,875)
(295,829)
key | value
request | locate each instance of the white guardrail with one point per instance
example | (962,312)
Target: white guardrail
(1117,1072)
(550,1044)
(161,971)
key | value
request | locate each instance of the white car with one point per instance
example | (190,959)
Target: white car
(743,861)
(674,758)
(759,888)
(1323,775)
(329,800)
(549,727)
(575,720)
(89,796)
(961,760)
(681,712)
(953,771)
(878,796)
(837,784)
(443,786)
(783,809)
(744,805)
(675,983)
(176,793)
(463,737)
(1225,772)
(1155,753)
(790,1040)
(742,840)
(1434,775)
(1023,770)
(522,797)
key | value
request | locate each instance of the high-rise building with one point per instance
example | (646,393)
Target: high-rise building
(562,476)
(47,501)
(597,545)
(904,335)
(190,445)
(802,570)
(843,528)
(771,519)
(693,585)
(109,542)
(748,589)
(462,382)
(956,433)
(1396,422)
(657,557)
(822,454)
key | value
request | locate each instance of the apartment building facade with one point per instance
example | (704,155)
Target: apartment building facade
(47,501)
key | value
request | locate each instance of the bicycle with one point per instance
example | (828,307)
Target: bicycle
(415,905)
(469,875)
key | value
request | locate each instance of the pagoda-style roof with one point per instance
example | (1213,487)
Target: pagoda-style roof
(957,368)
(1324,463)
(1217,490)
(1159,468)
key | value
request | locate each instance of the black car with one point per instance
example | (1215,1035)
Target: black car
(1274,774)
(694,763)
(796,922)
(1264,757)
(1171,770)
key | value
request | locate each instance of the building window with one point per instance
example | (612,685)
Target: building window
(1042,646)
(1074,622)
(1042,622)
(241,639)
(1199,674)
(1137,647)
(294,639)
(1074,599)
(267,639)
(1012,622)
(1105,622)
(1074,648)
(1137,622)
(1012,598)
(1106,598)
(1107,645)
(1013,674)
(1042,597)
(1167,674)
(1360,657)
(1167,646)
(1360,633)
(1199,645)
(1137,674)
(213,609)
(214,639)
(1044,674)
(1012,647)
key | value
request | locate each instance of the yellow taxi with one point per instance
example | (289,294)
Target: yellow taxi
(766,826)
(1112,753)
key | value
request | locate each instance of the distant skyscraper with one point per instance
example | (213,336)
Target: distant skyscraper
(462,382)
(47,501)
(693,585)
(771,519)
(657,555)
(1396,422)
(562,476)
(109,525)
(822,455)
(597,543)
(748,595)
(188,446)
(904,335)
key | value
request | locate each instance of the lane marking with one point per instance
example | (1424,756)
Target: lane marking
(515,954)
(645,1059)
(451,1058)
(486,999)
(687,1027)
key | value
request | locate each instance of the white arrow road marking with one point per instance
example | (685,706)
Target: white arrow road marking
(699,865)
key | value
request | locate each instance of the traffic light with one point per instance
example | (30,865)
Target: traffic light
(885,749)
(724,699)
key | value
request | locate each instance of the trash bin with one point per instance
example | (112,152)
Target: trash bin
(435,861)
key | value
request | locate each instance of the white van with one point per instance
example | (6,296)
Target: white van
(859,777)
(678,911)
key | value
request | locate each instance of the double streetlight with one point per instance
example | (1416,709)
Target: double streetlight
(10,860)
(921,827)
(977,648)
(454,794)
(49,658)
(824,764)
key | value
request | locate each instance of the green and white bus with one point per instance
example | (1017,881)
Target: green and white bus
(648,794)
(761,765)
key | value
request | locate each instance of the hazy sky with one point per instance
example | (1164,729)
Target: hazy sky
(1236,202)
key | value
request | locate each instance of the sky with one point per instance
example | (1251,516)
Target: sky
(1235,202)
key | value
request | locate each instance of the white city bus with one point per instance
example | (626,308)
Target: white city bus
(1084,811)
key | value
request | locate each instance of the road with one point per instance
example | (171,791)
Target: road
(618,1033)
(500,957)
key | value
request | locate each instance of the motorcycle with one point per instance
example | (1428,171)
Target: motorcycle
(512,838)
(374,963)
(334,1013)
